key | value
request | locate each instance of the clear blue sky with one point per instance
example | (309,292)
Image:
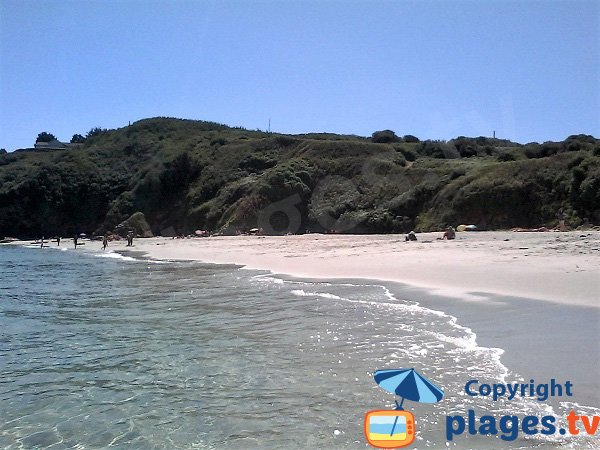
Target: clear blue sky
(529,70)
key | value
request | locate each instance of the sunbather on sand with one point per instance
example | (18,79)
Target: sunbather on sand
(449,233)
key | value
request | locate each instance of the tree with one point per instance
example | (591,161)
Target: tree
(384,137)
(438,149)
(77,139)
(44,136)
(411,139)
(94,132)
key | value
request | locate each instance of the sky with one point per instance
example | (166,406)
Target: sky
(528,70)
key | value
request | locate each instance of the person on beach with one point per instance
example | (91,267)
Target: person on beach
(75,241)
(449,233)
(130,239)
(58,241)
(42,244)
(105,242)
(411,236)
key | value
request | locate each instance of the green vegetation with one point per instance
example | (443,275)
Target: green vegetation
(77,139)
(44,136)
(185,175)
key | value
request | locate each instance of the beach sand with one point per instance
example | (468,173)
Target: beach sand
(559,267)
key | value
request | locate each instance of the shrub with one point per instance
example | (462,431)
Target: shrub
(283,181)
(533,151)
(590,199)
(505,156)
(257,163)
(44,136)
(409,155)
(437,149)
(467,151)
(551,148)
(457,173)
(179,173)
(218,141)
(285,141)
(97,131)
(384,137)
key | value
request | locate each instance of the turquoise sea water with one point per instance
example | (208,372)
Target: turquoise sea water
(103,351)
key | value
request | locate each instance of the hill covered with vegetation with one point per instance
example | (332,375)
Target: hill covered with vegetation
(186,175)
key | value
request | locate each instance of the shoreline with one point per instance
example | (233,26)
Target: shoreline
(556,267)
(541,340)
(520,328)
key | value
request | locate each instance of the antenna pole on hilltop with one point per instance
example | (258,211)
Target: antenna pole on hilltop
(269,124)
(494,134)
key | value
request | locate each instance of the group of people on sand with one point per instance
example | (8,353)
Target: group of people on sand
(129,240)
(76,242)
(449,234)
(58,238)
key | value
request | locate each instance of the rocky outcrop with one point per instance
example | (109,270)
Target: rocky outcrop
(136,223)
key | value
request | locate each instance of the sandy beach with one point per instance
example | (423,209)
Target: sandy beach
(559,267)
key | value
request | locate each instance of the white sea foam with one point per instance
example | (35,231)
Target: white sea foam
(459,348)
(267,279)
(114,255)
(463,351)
(302,293)
(463,339)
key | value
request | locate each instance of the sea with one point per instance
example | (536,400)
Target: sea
(104,350)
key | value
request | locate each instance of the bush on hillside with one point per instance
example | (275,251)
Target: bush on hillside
(505,156)
(44,136)
(437,149)
(384,137)
(410,139)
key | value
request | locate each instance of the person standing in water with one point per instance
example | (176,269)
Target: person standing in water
(105,242)
(58,241)
(75,241)
(42,245)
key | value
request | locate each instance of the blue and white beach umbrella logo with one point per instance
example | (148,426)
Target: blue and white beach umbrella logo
(408,384)
(396,428)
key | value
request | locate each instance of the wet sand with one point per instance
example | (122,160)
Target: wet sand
(542,340)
